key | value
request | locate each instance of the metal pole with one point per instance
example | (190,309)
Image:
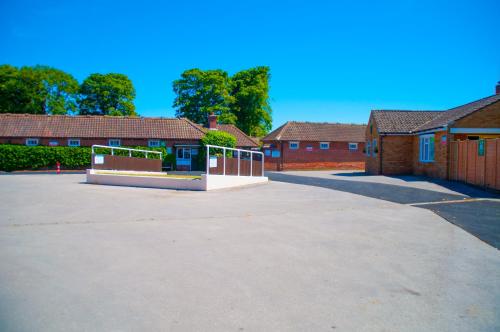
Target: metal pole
(251,160)
(224,163)
(112,152)
(208,160)
(238,162)
(130,153)
(262,160)
(146,155)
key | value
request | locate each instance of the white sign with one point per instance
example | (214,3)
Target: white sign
(99,159)
(213,161)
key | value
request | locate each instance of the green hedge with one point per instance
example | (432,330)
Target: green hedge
(21,157)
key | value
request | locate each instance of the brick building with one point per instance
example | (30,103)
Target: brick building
(179,136)
(309,145)
(418,142)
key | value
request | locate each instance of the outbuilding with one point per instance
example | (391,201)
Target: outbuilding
(314,145)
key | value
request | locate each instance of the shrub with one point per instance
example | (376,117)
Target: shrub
(21,157)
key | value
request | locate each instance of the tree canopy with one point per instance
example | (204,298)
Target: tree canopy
(200,93)
(242,99)
(37,90)
(107,94)
(250,89)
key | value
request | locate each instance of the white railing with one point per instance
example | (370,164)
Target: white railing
(126,149)
(239,158)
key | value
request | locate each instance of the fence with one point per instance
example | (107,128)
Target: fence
(476,162)
(237,162)
(124,163)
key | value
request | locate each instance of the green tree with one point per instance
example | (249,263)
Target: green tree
(201,92)
(107,94)
(36,90)
(60,90)
(250,92)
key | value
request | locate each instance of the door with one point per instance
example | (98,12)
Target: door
(183,159)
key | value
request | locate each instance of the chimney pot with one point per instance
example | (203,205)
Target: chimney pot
(212,121)
(498,88)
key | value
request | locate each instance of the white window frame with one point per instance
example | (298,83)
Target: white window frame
(351,146)
(324,143)
(73,140)
(290,145)
(115,139)
(30,143)
(367,147)
(426,150)
(157,143)
(374,146)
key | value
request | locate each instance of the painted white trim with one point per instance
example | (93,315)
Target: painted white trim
(75,140)
(156,141)
(291,143)
(475,130)
(114,145)
(354,146)
(325,143)
(431,131)
(32,139)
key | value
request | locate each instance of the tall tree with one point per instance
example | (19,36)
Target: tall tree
(36,90)
(250,90)
(201,92)
(60,90)
(107,94)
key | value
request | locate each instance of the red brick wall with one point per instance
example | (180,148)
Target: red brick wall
(372,161)
(337,156)
(436,169)
(397,155)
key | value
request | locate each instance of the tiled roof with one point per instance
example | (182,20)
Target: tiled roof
(459,112)
(29,125)
(407,122)
(315,131)
(402,122)
(242,139)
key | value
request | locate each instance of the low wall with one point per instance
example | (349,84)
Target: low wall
(351,165)
(123,163)
(209,182)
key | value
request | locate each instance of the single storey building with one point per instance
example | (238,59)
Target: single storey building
(309,145)
(178,135)
(418,142)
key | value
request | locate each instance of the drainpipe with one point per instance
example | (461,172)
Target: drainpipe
(380,155)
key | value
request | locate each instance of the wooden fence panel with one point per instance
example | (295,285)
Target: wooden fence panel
(466,165)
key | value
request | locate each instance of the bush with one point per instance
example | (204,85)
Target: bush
(21,157)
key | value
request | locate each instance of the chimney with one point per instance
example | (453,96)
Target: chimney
(498,88)
(212,121)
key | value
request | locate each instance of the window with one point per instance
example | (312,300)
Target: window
(114,142)
(427,148)
(53,143)
(154,143)
(309,148)
(353,146)
(73,142)
(267,152)
(275,154)
(368,148)
(294,145)
(324,145)
(374,147)
(169,150)
(32,141)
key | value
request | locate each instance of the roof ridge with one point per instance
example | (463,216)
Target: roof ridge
(241,131)
(283,127)
(475,101)
(193,124)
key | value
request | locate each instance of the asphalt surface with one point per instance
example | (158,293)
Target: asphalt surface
(387,192)
(480,218)
(276,257)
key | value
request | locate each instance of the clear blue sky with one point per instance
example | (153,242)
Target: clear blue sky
(330,60)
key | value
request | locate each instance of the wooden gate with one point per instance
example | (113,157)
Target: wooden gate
(476,162)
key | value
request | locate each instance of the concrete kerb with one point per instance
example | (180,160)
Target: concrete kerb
(149,180)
